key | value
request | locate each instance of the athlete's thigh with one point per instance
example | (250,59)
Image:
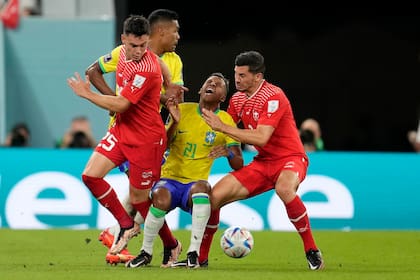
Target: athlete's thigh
(107,155)
(226,190)
(256,177)
(292,171)
(98,165)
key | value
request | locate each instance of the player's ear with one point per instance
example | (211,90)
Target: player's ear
(259,77)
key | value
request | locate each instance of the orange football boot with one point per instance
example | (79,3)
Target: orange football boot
(106,238)
(122,257)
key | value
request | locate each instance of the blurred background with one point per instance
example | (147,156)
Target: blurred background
(357,71)
(354,70)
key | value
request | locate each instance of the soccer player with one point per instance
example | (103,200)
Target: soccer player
(281,162)
(164,38)
(137,134)
(193,146)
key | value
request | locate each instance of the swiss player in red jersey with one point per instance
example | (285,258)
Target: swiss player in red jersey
(164,38)
(281,162)
(137,134)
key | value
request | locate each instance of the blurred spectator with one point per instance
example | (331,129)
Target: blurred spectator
(29,11)
(308,140)
(26,7)
(414,138)
(79,135)
(30,7)
(19,136)
(80,140)
(313,125)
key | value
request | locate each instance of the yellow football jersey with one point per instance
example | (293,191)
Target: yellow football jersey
(192,143)
(108,64)
(174,63)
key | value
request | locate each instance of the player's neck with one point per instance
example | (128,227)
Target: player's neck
(155,49)
(254,89)
(210,107)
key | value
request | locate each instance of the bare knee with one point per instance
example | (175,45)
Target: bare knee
(287,185)
(286,191)
(201,186)
(161,198)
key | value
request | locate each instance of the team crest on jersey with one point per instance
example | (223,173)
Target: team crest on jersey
(273,105)
(210,137)
(107,58)
(255,115)
(137,82)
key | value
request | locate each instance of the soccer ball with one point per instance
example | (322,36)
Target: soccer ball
(237,242)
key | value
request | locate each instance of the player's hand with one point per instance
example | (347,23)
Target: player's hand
(177,91)
(212,119)
(219,151)
(80,87)
(172,106)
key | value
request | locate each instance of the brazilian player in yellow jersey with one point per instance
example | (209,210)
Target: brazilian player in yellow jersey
(163,42)
(193,147)
(191,144)
(164,38)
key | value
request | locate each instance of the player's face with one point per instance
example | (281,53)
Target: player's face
(213,90)
(170,35)
(246,81)
(135,46)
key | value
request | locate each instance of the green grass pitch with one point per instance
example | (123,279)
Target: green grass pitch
(77,254)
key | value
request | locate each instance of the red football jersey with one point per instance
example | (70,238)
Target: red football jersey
(268,106)
(140,82)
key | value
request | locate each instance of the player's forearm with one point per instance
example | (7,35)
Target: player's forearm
(235,158)
(108,102)
(249,136)
(170,132)
(163,99)
(97,79)
(166,74)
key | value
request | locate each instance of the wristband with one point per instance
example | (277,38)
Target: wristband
(231,155)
